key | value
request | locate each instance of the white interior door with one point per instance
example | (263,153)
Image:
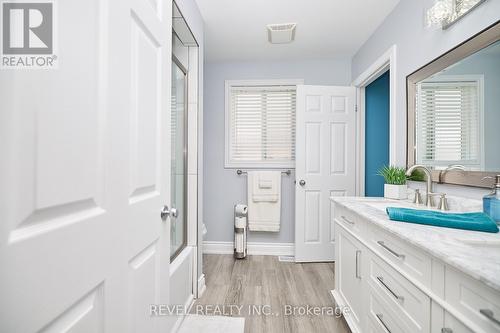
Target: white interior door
(325,165)
(84,173)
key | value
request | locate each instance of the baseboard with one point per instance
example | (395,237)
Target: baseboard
(201,285)
(254,248)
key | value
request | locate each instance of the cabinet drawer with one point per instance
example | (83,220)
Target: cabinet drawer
(349,220)
(410,303)
(406,258)
(476,301)
(381,318)
(452,325)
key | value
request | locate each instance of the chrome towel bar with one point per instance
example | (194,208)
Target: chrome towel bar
(241,172)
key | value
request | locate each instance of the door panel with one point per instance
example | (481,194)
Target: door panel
(313,227)
(313,148)
(148,252)
(53,198)
(338,158)
(86,315)
(42,196)
(144,112)
(84,175)
(325,161)
(142,275)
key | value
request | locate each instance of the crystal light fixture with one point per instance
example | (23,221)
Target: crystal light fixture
(446,12)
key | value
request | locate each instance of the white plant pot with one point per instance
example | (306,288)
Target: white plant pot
(397,192)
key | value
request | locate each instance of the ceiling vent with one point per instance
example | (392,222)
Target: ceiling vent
(281,33)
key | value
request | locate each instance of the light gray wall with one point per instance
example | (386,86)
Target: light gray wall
(222,187)
(416,46)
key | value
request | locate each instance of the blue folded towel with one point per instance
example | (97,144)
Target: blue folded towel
(468,221)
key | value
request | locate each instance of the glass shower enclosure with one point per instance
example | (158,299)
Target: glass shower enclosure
(178,228)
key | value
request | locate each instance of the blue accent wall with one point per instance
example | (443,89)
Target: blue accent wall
(376,134)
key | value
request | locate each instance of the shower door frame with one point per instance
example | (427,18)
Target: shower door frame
(183,69)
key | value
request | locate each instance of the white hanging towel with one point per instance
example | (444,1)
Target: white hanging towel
(264,200)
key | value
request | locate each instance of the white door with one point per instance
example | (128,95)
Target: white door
(325,165)
(84,173)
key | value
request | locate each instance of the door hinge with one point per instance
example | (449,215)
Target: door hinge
(355,108)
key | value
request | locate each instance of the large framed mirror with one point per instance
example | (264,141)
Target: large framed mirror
(453,105)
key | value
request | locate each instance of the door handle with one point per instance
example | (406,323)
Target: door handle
(302,182)
(166,212)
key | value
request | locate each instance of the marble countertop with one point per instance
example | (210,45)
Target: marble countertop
(474,253)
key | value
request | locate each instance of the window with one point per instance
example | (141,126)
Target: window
(260,123)
(449,121)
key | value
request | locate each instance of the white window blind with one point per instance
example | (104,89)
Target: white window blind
(261,126)
(448,123)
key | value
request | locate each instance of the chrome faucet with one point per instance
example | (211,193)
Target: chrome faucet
(428,176)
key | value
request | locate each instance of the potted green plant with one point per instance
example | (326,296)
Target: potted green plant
(395,182)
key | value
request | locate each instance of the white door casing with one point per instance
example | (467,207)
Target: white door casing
(325,166)
(85,171)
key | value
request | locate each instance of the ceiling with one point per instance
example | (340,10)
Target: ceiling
(235,30)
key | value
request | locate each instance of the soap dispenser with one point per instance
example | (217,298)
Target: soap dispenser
(491,202)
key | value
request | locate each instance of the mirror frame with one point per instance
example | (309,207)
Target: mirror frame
(479,41)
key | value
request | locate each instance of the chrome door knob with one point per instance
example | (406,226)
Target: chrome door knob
(302,182)
(166,212)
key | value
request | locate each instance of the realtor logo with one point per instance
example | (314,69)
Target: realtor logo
(28,34)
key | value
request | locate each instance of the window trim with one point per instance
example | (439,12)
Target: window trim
(228,164)
(479,80)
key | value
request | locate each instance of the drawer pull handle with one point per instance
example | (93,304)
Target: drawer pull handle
(391,251)
(347,220)
(381,320)
(396,296)
(358,253)
(446,330)
(490,315)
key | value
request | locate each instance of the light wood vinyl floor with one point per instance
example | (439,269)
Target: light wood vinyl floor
(264,280)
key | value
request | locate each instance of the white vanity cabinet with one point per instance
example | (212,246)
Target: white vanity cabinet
(384,284)
(350,280)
